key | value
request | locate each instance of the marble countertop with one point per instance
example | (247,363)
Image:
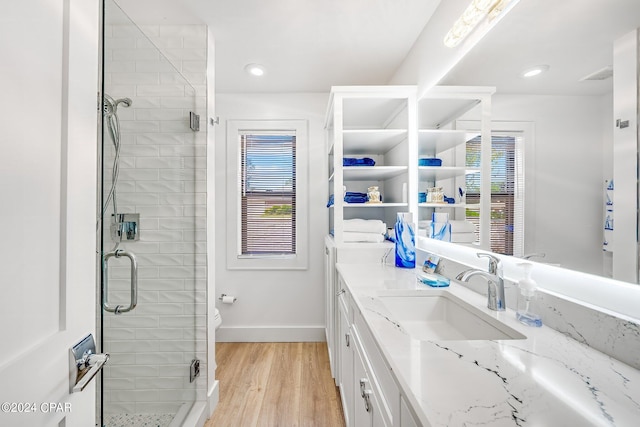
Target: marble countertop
(547,379)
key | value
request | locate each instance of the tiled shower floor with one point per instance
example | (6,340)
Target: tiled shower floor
(137,420)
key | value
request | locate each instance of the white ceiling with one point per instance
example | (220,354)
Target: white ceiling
(305,45)
(311,45)
(574,37)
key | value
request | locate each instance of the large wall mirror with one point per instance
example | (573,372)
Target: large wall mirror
(564,116)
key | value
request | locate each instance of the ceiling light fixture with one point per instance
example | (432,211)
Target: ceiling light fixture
(471,17)
(255,69)
(534,71)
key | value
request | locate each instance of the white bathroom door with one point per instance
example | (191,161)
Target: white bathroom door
(48,117)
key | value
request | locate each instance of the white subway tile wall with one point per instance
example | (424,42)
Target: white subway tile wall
(162,177)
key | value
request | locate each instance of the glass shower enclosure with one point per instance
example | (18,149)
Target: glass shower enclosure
(152,295)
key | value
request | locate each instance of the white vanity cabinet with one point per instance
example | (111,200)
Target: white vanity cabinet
(345,373)
(368,412)
(370,395)
(352,253)
(407,419)
(330,313)
(384,396)
(362,399)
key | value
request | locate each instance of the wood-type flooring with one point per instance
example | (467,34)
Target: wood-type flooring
(275,385)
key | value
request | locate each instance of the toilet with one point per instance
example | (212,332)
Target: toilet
(217,319)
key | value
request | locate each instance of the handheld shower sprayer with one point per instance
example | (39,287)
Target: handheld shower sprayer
(110,105)
(126,101)
(110,112)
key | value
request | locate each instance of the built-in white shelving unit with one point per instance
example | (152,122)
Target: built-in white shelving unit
(372,173)
(376,122)
(390,125)
(438,173)
(438,138)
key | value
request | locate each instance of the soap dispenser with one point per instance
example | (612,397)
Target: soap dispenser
(526,298)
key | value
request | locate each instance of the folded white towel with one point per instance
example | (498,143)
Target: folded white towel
(462,226)
(364,225)
(354,236)
(463,237)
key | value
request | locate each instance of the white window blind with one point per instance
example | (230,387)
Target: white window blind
(268,193)
(507,190)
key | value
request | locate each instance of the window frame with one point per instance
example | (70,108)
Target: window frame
(527,131)
(247,141)
(235,259)
(502,242)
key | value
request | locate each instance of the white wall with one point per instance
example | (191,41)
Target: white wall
(565,219)
(280,305)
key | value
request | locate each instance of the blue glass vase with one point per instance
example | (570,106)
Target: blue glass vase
(405,241)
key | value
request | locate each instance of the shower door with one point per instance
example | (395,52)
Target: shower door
(152,226)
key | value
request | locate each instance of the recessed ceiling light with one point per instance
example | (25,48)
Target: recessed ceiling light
(534,71)
(255,69)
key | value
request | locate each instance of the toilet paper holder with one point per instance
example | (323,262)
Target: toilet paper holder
(221,297)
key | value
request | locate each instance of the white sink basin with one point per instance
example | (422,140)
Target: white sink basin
(443,316)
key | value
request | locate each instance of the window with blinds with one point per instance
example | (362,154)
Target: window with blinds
(268,193)
(507,185)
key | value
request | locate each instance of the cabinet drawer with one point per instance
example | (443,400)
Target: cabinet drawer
(390,393)
(344,300)
(375,406)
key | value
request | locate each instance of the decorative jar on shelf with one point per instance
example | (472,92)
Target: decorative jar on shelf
(373,195)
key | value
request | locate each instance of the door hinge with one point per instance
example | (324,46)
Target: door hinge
(195,370)
(622,123)
(194,121)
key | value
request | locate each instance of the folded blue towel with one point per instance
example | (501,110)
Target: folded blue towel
(430,162)
(350,197)
(355,197)
(352,161)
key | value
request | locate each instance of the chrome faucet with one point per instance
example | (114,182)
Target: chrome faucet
(495,281)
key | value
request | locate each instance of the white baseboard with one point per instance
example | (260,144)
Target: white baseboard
(213,397)
(196,416)
(271,334)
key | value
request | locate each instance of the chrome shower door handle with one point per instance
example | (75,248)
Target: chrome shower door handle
(118,309)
